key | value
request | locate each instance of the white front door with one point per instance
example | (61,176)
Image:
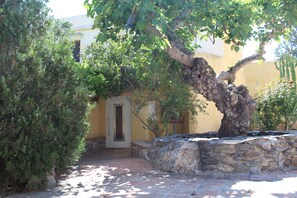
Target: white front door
(118,122)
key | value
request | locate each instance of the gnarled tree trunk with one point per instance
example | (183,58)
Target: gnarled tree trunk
(234,102)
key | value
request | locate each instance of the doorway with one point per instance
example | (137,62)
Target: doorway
(118,122)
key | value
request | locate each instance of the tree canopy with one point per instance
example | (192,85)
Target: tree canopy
(114,67)
(171,26)
(165,24)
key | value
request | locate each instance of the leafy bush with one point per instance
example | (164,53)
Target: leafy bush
(172,96)
(276,103)
(42,102)
(114,67)
(102,68)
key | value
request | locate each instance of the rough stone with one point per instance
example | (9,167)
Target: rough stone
(229,160)
(161,142)
(190,154)
(140,149)
(247,151)
(180,157)
(272,166)
(225,168)
(290,151)
(294,161)
(255,169)
(228,149)
(281,159)
(279,144)
(207,168)
(293,144)
(266,145)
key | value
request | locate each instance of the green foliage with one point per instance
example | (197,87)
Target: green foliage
(171,26)
(287,53)
(164,86)
(181,21)
(113,67)
(103,65)
(288,46)
(286,67)
(276,102)
(42,102)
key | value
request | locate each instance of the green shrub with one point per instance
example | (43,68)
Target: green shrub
(42,102)
(114,67)
(276,103)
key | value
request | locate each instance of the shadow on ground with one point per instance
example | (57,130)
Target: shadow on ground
(114,173)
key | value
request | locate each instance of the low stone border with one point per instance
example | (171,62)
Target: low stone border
(192,155)
(140,149)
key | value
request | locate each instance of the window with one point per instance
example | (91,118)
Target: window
(119,123)
(76,51)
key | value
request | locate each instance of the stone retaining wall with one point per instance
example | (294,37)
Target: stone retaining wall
(227,155)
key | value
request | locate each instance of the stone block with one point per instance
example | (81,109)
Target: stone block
(225,168)
(140,149)
(208,167)
(294,161)
(225,149)
(180,157)
(279,144)
(256,169)
(290,151)
(281,160)
(229,160)
(265,145)
(272,166)
(161,142)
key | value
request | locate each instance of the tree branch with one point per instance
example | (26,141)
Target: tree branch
(230,74)
(173,51)
(179,21)
(176,54)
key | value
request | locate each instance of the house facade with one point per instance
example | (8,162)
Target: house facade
(112,119)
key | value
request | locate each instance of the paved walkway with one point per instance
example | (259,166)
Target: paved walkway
(113,173)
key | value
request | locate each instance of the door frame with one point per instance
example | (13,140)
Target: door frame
(110,102)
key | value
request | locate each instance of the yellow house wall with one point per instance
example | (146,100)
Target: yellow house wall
(98,119)
(259,73)
(137,129)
